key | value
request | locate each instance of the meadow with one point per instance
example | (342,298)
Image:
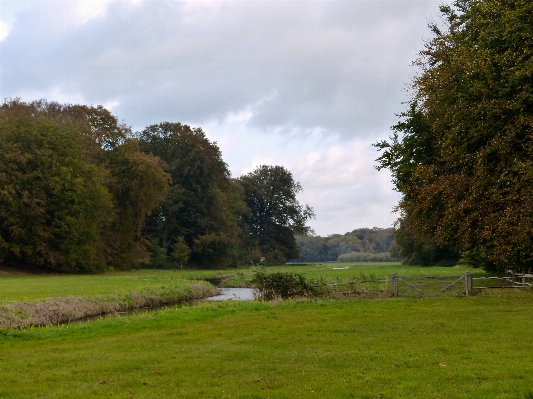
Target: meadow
(28,287)
(461,347)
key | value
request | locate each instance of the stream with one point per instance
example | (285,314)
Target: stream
(234,294)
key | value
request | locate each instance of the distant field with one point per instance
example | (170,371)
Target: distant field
(378,270)
(469,347)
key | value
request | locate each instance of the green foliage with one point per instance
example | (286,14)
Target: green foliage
(202,204)
(280,285)
(80,193)
(158,256)
(462,154)
(73,191)
(54,201)
(478,257)
(276,217)
(180,252)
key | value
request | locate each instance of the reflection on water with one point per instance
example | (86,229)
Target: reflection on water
(235,294)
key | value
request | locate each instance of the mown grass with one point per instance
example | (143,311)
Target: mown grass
(473,347)
(27,287)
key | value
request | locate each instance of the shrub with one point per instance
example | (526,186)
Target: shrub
(280,285)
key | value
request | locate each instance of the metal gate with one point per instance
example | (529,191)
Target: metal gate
(420,286)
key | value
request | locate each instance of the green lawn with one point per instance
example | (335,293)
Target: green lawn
(26,287)
(473,347)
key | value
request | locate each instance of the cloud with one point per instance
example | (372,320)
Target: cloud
(345,189)
(338,178)
(4,30)
(295,66)
(304,84)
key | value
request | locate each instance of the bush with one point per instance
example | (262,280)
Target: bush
(280,285)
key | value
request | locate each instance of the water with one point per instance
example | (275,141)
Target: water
(235,294)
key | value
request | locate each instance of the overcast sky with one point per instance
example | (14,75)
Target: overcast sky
(309,85)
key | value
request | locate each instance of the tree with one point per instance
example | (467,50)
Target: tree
(464,161)
(54,202)
(71,199)
(201,203)
(138,184)
(181,252)
(276,217)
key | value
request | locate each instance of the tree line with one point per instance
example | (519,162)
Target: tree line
(462,153)
(82,192)
(360,245)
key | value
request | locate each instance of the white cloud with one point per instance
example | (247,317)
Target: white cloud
(345,189)
(89,9)
(337,66)
(4,30)
(55,94)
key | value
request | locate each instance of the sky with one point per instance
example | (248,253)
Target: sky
(308,85)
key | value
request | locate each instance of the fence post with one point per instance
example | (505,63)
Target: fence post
(394,284)
(468,283)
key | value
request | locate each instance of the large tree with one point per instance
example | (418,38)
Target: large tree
(73,190)
(276,217)
(462,155)
(201,208)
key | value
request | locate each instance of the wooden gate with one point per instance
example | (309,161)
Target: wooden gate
(418,286)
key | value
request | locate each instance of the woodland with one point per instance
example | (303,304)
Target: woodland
(360,245)
(82,193)
(462,153)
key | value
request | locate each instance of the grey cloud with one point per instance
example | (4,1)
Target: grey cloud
(337,65)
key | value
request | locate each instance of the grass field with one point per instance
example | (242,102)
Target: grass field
(381,270)
(467,347)
(474,347)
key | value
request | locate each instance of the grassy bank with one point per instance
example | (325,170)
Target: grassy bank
(54,311)
(473,347)
(45,299)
